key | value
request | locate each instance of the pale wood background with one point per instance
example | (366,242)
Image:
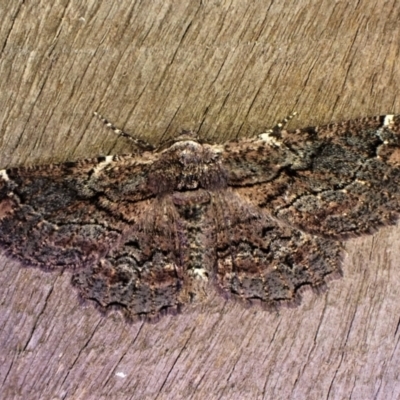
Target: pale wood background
(225,69)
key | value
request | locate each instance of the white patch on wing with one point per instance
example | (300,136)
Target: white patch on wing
(4,175)
(388,120)
(269,139)
(100,166)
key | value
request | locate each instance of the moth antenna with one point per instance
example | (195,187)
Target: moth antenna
(281,124)
(275,132)
(142,144)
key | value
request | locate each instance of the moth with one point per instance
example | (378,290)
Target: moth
(255,219)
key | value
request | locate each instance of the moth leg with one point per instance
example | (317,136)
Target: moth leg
(142,144)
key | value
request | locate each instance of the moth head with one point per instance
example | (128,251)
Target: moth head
(184,136)
(187,135)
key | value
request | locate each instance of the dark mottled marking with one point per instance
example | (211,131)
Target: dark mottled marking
(256,219)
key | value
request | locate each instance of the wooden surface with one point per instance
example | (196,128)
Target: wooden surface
(225,69)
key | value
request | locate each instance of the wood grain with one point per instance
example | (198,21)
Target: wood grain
(225,69)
